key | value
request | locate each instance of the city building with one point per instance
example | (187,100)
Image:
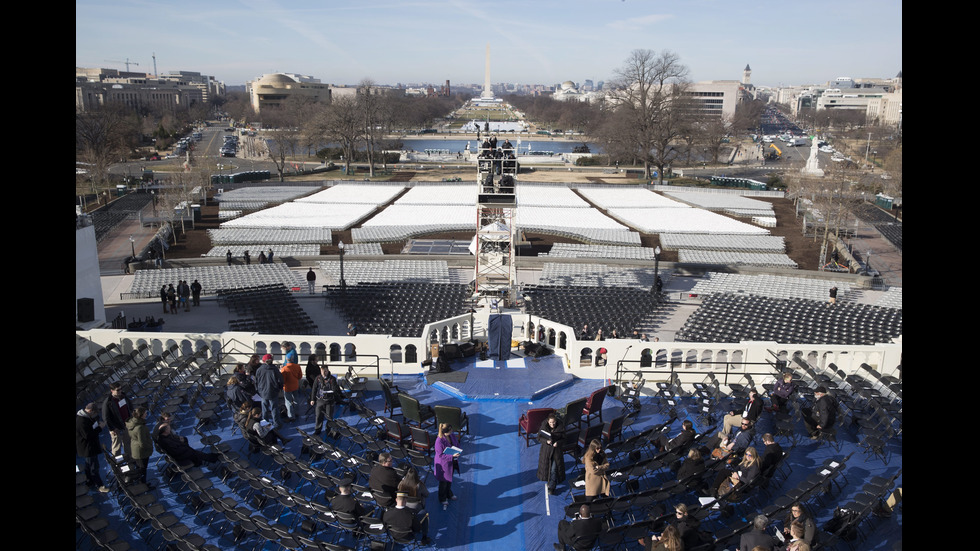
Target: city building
(717,97)
(879,99)
(210,87)
(271,90)
(95,87)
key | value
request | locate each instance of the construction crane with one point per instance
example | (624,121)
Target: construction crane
(774,156)
(127,62)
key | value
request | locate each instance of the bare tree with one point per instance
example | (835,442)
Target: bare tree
(286,134)
(893,167)
(650,87)
(341,122)
(375,111)
(101,139)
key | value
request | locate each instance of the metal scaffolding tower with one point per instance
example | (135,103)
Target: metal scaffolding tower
(496,205)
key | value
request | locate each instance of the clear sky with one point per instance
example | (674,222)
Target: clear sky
(531,41)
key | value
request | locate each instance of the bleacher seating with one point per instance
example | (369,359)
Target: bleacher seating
(621,308)
(734,318)
(399,309)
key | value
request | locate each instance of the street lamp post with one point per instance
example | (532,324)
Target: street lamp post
(656,271)
(132,245)
(343,284)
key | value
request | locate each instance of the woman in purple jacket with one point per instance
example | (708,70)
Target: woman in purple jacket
(444,463)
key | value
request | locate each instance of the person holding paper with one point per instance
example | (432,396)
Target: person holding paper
(551,460)
(447,451)
(263,430)
(115,413)
(596,481)
(324,396)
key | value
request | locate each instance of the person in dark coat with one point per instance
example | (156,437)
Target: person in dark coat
(324,396)
(344,502)
(757,536)
(692,467)
(551,459)
(268,385)
(179,450)
(772,454)
(312,370)
(384,478)
(822,415)
(403,520)
(87,429)
(681,441)
(581,533)
(782,390)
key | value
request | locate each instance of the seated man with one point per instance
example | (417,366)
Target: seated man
(751,411)
(179,450)
(344,502)
(581,533)
(822,415)
(772,454)
(782,390)
(402,521)
(743,438)
(385,479)
(757,537)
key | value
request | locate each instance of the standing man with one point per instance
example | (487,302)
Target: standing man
(115,413)
(291,375)
(228,257)
(833,295)
(185,294)
(268,385)
(248,258)
(289,353)
(324,396)
(87,429)
(196,292)
(311,281)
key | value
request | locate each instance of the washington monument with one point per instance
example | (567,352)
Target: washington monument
(487,93)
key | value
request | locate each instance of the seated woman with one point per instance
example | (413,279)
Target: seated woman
(237,394)
(692,467)
(415,491)
(745,473)
(262,431)
(798,515)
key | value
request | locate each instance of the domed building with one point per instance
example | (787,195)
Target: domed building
(271,90)
(567,91)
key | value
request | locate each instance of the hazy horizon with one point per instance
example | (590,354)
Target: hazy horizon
(543,42)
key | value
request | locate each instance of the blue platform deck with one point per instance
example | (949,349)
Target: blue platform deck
(517,378)
(502,505)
